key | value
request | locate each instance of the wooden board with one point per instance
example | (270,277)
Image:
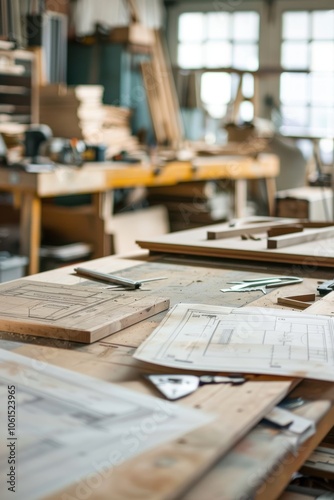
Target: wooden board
(168,470)
(288,240)
(151,88)
(156,473)
(114,362)
(255,455)
(313,254)
(254,226)
(75,313)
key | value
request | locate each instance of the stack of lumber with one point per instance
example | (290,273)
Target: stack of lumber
(72,111)
(79,112)
(191,204)
(116,131)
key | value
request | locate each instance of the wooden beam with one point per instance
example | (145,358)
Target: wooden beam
(287,240)
(257,227)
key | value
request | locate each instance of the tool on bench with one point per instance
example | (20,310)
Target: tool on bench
(111,278)
(248,285)
(178,386)
(326,287)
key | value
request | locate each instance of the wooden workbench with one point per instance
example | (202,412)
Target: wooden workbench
(99,179)
(260,462)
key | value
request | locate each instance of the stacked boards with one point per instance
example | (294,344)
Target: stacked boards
(116,131)
(73,112)
(78,112)
(18,90)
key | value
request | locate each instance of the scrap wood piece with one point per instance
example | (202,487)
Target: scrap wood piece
(78,314)
(167,471)
(297,301)
(287,240)
(256,227)
(285,229)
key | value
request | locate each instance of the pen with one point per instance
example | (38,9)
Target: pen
(109,278)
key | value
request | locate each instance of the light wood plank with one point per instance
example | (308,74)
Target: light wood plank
(194,242)
(252,227)
(288,240)
(75,313)
(167,471)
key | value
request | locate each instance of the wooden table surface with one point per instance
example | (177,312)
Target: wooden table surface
(258,461)
(99,179)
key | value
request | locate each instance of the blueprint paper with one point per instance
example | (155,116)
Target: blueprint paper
(247,340)
(69,426)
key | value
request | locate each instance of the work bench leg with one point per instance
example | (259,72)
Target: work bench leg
(271,193)
(102,206)
(240,198)
(30,230)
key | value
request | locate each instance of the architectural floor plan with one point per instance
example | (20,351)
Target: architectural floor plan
(254,340)
(70,422)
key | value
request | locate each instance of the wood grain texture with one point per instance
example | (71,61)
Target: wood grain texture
(78,314)
(250,228)
(311,254)
(297,301)
(168,470)
(288,240)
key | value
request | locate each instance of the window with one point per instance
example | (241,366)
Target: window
(307,93)
(220,40)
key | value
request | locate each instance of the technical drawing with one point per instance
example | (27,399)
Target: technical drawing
(70,422)
(254,340)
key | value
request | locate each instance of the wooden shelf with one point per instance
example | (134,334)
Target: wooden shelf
(18,87)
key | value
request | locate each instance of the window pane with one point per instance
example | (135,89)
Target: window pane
(248,85)
(218,54)
(322,118)
(295,55)
(295,116)
(246,26)
(296,25)
(245,56)
(322,56)
(323,24)
(294,88)
(191,55)
(247,111)
(322,89)
(326,151)
(216,111)
(219,25)
(216,88)
(191,27)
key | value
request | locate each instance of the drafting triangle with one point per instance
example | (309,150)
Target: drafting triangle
(174,386)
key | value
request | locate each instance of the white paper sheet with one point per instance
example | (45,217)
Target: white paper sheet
(247,340)
(68,426)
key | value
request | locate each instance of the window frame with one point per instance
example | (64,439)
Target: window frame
(270,37)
